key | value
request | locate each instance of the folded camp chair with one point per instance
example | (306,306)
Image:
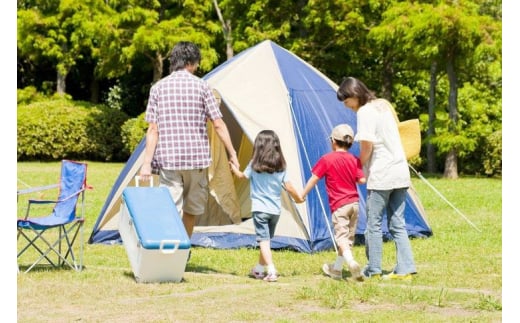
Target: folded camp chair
(50,238)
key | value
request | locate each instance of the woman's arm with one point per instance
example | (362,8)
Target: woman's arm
(365,151)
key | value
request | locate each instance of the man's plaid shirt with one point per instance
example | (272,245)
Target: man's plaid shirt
(180,104)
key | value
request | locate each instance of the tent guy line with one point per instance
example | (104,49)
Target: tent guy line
(443,198)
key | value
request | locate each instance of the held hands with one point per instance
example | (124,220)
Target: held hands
(233,167)
(233,160)
(235,170)
(299,199)
(293,192)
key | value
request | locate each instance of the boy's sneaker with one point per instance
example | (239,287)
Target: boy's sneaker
(329,270)
(394,276)
(256,274)
(271,277)
(355,271)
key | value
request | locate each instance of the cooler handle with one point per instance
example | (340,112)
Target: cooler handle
(138,178)
(176,244)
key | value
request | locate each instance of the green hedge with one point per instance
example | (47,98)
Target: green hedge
(133,131)
(492,159)
(58,129)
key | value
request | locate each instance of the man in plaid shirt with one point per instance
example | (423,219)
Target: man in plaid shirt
(177,141)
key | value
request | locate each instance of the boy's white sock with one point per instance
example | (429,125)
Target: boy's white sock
(259,268)
(338,264)
(347,255)
(271,269)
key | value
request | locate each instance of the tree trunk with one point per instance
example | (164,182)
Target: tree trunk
(431,164)
(226,30)
(157,67)
(94,91)
(61,86)
(229,40)
(451,170)
(450,165)
(388,74)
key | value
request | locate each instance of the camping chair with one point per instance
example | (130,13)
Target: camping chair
(52,237)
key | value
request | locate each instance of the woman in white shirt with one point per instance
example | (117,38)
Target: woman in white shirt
(388,177)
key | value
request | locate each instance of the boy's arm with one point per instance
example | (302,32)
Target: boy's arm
(310,184)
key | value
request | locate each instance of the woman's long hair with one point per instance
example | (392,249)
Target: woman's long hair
(267,153)
(351,87)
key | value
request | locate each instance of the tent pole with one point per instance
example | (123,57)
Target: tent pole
(443,198)
(326,220)
(331,234)
(310,167)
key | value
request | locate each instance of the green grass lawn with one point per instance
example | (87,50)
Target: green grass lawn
(459,271)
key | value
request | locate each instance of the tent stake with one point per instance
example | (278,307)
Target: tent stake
(443,198)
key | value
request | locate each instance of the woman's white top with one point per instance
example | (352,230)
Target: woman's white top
(387,168)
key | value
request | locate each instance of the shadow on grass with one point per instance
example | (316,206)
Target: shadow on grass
(44,268)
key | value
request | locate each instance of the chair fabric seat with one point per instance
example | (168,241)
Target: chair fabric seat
(44,223)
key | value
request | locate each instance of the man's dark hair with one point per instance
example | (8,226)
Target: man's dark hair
(183,54)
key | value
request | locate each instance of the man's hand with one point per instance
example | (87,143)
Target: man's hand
(146,172)
(234,160)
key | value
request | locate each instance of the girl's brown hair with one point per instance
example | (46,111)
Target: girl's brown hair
(267,153)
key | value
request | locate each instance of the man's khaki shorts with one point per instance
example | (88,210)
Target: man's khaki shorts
(189,189)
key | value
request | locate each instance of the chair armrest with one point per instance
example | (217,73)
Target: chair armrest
(41,201)
(36,189)
(31,201)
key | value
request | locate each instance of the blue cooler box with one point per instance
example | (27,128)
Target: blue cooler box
(153,235)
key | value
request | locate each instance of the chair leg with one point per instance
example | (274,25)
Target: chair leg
(70,243)
(65,255)
(32,243)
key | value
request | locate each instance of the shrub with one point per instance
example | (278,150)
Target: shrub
(58,129)
(132,132)
(493,154)
(28,95)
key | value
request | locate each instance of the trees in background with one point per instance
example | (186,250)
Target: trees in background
(58,33)
(453,41)
(436,60)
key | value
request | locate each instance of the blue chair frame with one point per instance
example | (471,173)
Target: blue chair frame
(53,236)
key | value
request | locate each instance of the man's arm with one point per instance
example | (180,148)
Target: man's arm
(223,133)
(152,136)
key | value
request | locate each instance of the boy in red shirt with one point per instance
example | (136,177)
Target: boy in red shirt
(342,170)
